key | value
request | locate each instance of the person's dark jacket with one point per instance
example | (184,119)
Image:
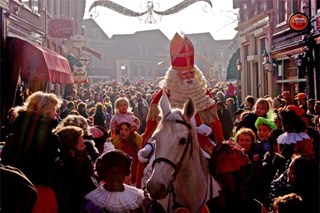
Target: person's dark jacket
(226,122)
(99,118)
(18,194)
(33,147)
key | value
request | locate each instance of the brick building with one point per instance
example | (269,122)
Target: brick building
(29,52)
(264,29)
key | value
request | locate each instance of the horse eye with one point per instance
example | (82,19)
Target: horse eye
(183,141)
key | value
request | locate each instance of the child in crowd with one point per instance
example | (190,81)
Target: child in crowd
(264,126)
(267,163)
(245,138)
(130,143)
(80,121)
(294,140)
(260,109)
(113,195)
(123,114)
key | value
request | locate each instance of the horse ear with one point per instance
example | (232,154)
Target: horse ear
(189,108)
(165,104)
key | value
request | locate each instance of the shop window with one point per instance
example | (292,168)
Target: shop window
(292,70)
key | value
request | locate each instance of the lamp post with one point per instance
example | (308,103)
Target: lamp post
(266,63)
(267,66)
(239,68)
(239,65)
(123,69)
(265,55)
(299,59)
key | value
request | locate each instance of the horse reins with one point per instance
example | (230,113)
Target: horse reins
(177,166)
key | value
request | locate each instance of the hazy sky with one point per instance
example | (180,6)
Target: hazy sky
(220,21)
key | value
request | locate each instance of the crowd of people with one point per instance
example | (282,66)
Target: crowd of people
(86,151)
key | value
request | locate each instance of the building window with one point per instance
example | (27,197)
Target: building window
(57,8)
(294,6)
(292,70)
(32,4)
(263,43)
(143,49)
(135,71)
(142,71)
(50,7)
(282,15)
(263,6)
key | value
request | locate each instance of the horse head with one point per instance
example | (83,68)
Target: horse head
(173,145)
(180,174)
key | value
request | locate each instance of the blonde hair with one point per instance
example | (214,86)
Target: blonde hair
(245,131)
(122,100)
(74,120)
(42,103)
(263,102)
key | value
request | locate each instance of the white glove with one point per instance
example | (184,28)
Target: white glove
(108,146)
(145,153)
(204,130)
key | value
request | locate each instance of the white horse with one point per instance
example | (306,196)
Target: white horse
(180,171)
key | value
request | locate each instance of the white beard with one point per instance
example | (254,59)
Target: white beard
(187,84)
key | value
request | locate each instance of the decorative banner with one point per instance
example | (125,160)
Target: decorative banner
(78,41)
(85,59)
(60,28)
(80,74)
(298,21)
(96,54)
(149,9)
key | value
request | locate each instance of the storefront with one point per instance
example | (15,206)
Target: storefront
(35,65)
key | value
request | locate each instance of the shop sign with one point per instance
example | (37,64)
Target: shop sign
(78,41)
(298,21)
(80,74)
(60,28)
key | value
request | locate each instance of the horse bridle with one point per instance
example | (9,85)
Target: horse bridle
(177,166)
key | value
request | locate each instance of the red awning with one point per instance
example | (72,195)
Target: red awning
(40,63)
